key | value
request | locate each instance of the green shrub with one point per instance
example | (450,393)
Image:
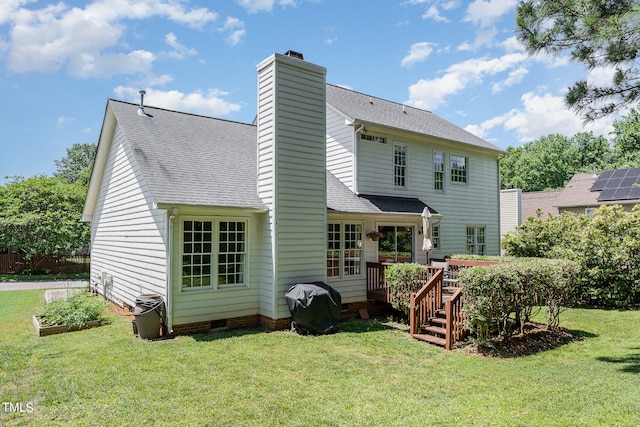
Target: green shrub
(76,310)
(606,248)
(493,294)
(404,279)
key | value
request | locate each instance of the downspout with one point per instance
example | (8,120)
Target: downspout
(355,158)
(500,157)
(172,216)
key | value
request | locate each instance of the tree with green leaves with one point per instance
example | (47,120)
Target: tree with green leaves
(595,33)
(546,163)
(40,216)
(76,166)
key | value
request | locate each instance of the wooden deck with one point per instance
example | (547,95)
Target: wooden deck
(435,314)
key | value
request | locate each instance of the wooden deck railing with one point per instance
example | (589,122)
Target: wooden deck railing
(377,288)
(455,319)
(425,302)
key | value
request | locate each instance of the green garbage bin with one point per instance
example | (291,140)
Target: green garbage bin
(149,314)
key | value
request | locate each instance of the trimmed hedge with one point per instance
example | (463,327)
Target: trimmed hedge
(492,294)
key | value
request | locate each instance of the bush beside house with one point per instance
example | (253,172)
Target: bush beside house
(606,248)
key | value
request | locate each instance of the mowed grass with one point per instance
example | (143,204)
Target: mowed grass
(368,374)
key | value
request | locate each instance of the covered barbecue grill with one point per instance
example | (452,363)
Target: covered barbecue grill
(315,307)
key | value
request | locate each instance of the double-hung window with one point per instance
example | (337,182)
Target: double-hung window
(459,168)
(435,236)
(438,170)
(214,253)
(344,250)
(476,240)
(399,165)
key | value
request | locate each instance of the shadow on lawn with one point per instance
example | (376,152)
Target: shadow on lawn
(347,326)
(630,363)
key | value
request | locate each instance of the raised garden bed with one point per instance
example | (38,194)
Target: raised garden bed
(44,330)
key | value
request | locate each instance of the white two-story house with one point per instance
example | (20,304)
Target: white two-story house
(220,218)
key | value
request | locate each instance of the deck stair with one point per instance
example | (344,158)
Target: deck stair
(434,330)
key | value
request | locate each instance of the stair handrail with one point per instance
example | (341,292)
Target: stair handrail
(425,302)
(455,320)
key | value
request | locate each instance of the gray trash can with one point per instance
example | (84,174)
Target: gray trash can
(149,314)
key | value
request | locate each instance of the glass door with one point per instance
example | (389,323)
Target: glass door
(396,245)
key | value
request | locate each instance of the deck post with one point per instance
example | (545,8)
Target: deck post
(448,309)
(413,328)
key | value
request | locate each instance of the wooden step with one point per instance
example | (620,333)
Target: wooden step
(434,330)
(438,321)
(431,339)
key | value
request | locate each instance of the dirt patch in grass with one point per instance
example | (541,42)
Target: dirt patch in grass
(536,338)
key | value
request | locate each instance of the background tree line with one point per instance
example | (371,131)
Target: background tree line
(550,161)
(40,215)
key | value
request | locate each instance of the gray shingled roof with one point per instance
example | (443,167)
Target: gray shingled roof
(341,199)
(369,109)
(192,160)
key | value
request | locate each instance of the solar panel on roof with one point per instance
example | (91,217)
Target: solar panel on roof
(621,184)
(601,181)
(606,195)
(619,173)
(613,183)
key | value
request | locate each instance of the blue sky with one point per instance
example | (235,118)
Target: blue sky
(60,62)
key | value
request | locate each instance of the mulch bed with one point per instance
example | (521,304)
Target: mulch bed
(536,338)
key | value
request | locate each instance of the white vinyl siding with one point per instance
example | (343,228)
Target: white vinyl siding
(128,235)
(477,201)
(340,149)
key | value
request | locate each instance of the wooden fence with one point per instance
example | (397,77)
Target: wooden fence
(16,264)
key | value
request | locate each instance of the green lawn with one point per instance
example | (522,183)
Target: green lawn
(368,374)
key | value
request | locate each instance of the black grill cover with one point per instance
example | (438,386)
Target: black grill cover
(315,307)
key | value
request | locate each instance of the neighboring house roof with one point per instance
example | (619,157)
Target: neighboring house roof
(578,192)
(188,159)
(368,109)
(543,200)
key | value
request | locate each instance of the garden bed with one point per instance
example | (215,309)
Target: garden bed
(44,330)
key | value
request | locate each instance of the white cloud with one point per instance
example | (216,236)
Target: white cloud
(540,115)
(211,103)
(485,13)
(103,66)
(418,52)
(255,6)
(180,51)
(429,94)
(433,13)
(62,121)
(514,78)
(235,29)
(58,36)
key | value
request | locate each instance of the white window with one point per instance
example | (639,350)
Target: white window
(476,242)
(214,253)
(438,171)
(399,165)
(590,212)
(459,167)
(435,236)
(344,250)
